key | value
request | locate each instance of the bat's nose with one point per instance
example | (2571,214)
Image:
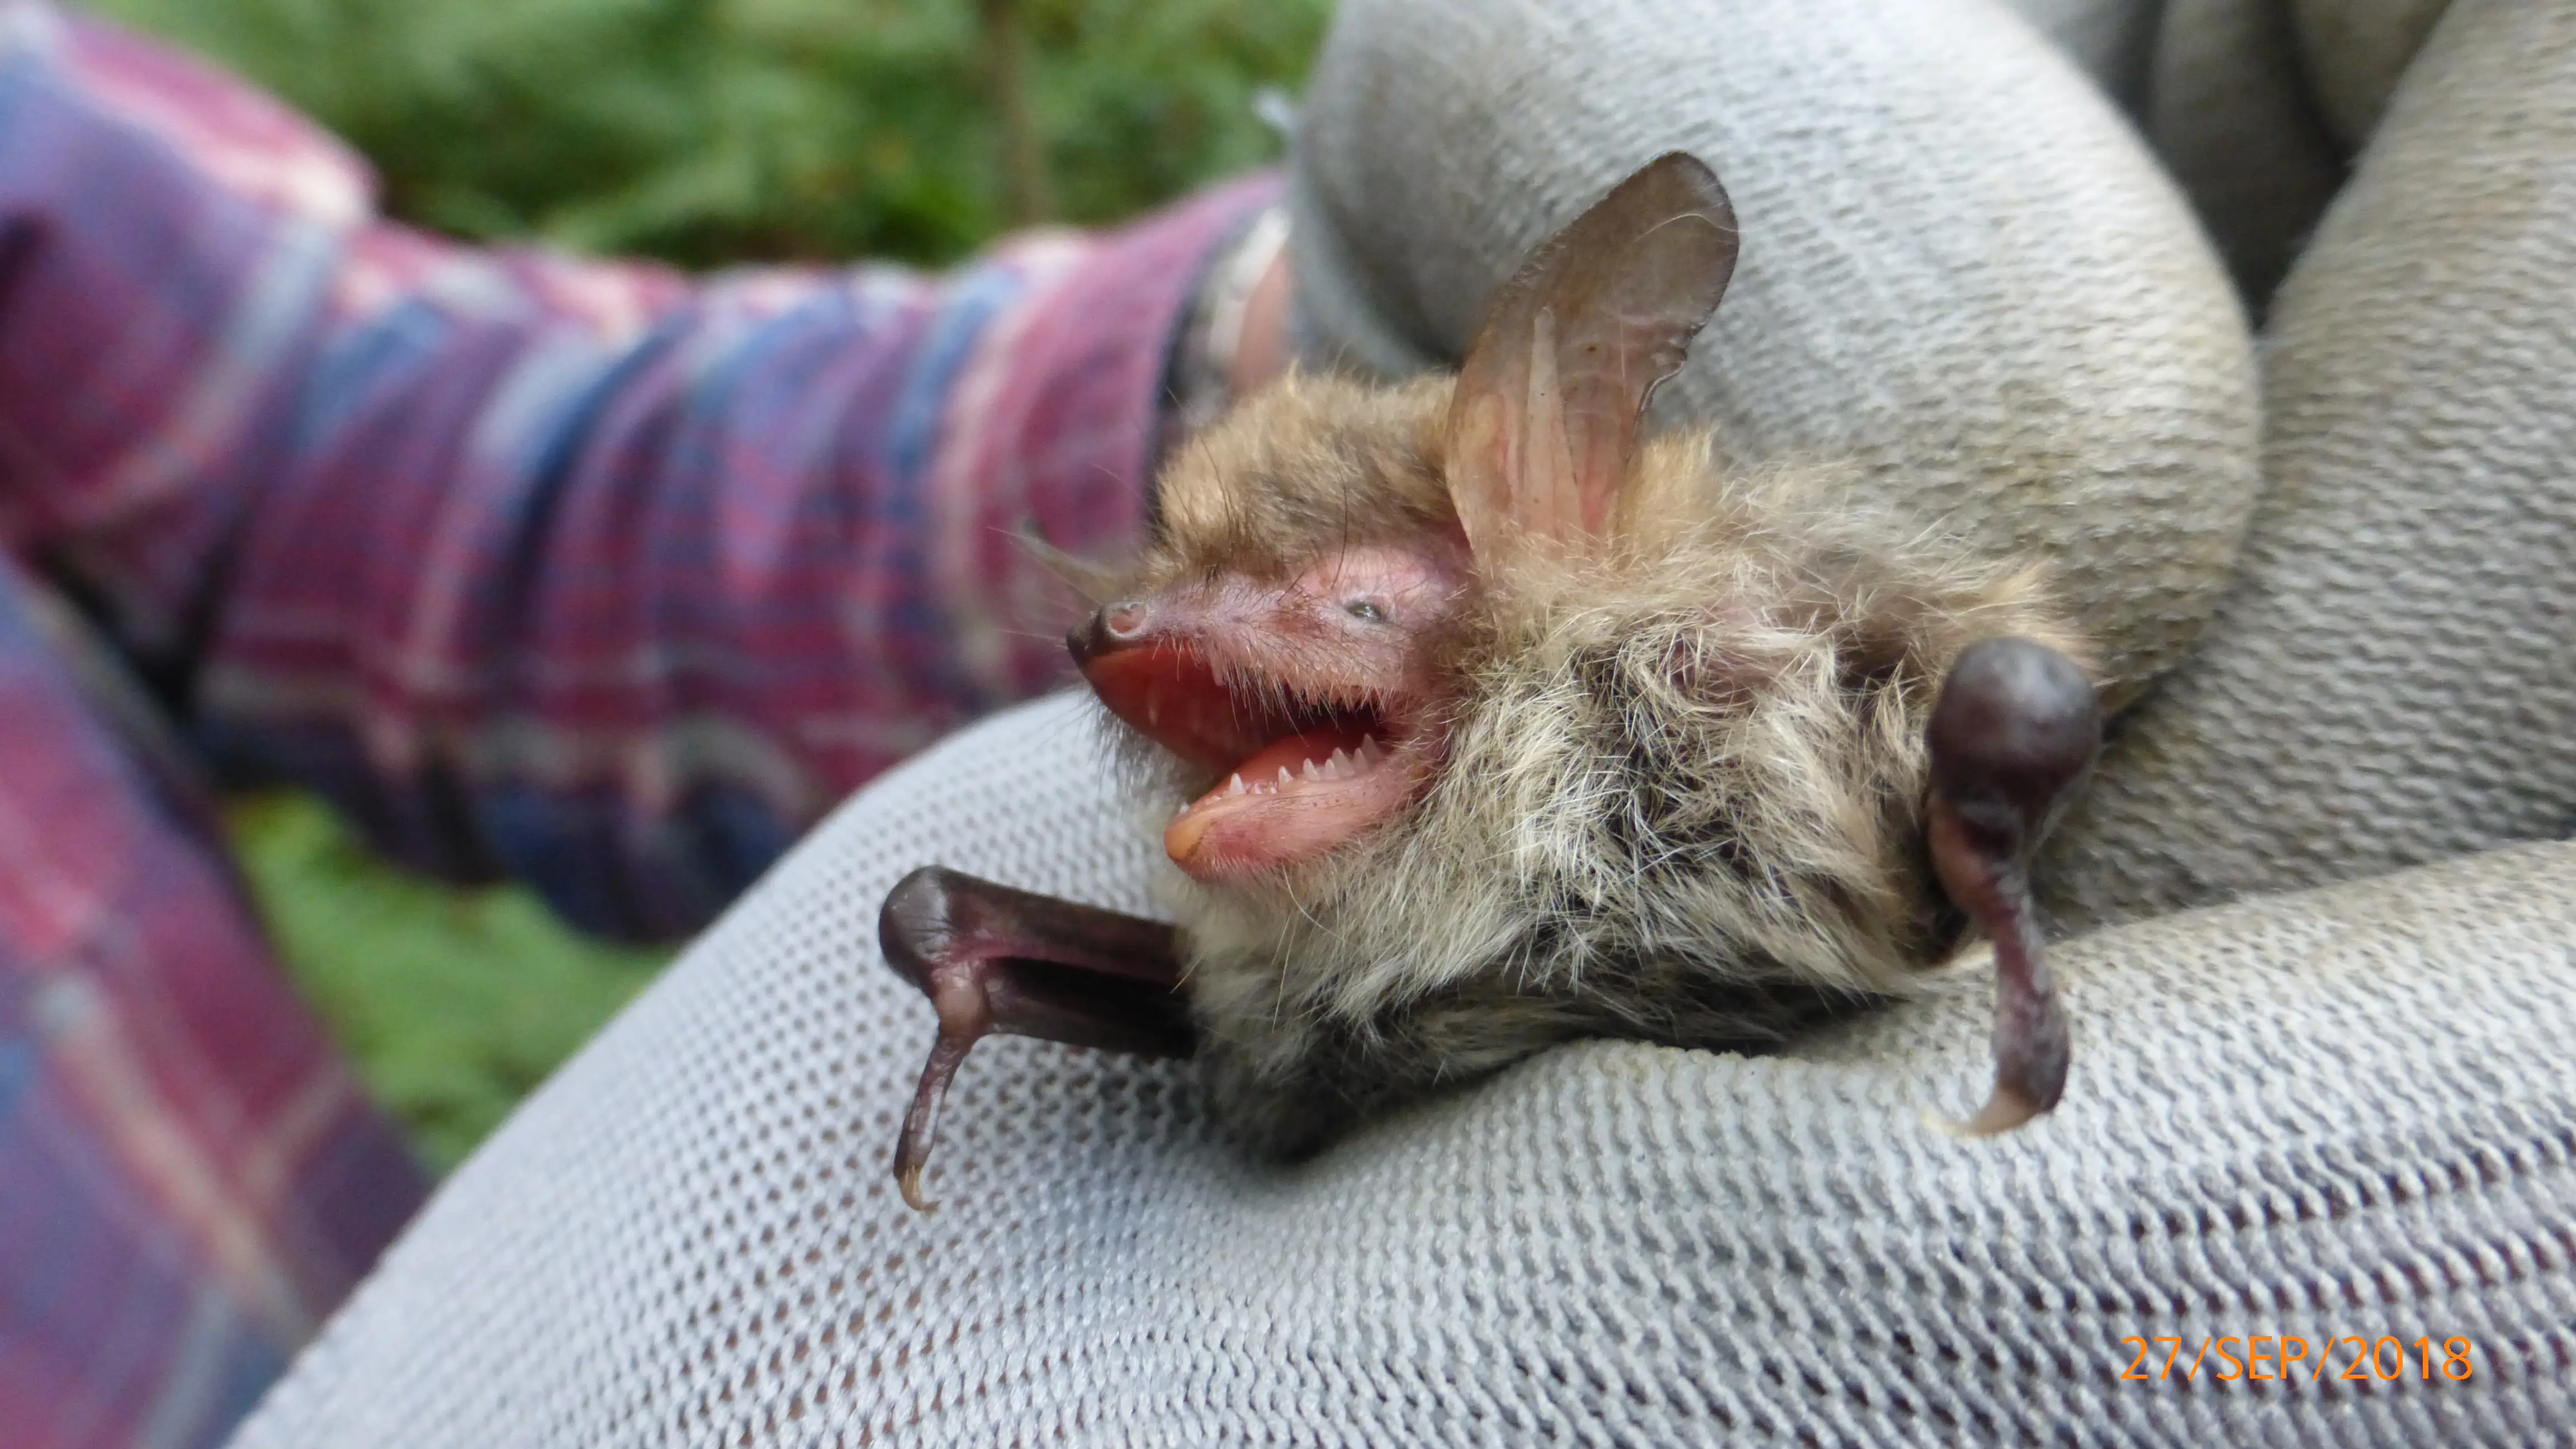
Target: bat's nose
(1115,627)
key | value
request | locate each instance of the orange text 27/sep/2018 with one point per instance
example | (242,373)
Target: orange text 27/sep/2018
(2260,1357)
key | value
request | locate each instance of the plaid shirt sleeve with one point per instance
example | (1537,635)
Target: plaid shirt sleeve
(574,571)
(582,572)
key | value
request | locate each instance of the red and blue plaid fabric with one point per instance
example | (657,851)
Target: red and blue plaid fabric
(582,573)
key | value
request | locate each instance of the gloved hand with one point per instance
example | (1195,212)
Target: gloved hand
(2113,41)
(2392,679)
(1960,271)
(2259,106)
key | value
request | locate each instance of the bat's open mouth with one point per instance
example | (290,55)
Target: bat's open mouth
(1295,774)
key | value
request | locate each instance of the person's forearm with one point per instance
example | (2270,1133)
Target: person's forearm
(572,571)
(623,615)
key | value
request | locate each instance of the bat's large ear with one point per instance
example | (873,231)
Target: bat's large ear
(1554,389)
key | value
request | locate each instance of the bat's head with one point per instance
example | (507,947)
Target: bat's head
(1325,558)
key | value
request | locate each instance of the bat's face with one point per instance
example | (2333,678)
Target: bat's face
(1284,639)
(1306,702)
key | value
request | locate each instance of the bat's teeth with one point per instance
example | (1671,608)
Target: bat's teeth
(1236,788)
(1338,766)
(1368,750)
(1311,772)
(1285,778)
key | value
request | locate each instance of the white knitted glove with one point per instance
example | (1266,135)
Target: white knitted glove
(2114,41)
(2392,679)
(2354,53)
(2258,107)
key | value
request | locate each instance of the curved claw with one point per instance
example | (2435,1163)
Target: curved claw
(993,959)
(921,1120)
(2012,738)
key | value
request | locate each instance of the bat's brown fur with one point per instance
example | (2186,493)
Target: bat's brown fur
(1685,776)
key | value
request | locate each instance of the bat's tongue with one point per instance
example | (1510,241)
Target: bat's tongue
(1292,800)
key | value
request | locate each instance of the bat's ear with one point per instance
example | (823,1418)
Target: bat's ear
(1554,388)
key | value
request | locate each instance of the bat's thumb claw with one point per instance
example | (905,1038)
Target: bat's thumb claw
(2004,1111)
(921,1122)
(907,1179)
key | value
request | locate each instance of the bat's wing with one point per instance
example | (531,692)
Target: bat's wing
(993,959)
(1553,391)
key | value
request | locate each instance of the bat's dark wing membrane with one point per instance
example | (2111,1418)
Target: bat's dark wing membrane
(993,959)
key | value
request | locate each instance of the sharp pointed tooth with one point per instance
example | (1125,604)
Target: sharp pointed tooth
(1332,768)
(1284,777)
(1311,772)
(1368,749)
(1236,788)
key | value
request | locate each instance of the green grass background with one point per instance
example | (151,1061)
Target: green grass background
(704,132)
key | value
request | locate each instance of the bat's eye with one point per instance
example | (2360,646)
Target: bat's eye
(1365,610)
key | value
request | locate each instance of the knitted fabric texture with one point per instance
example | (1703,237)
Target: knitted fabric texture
(2231,116)
(2342,1114)
(2113,41)
(2356,51)
(2392,679)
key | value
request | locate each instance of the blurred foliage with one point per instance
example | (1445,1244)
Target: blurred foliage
(453,1003)
(714,131)
(704,132)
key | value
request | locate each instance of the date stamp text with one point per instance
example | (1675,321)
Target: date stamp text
(2258,1357)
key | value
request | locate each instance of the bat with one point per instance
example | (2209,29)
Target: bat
(1486,722)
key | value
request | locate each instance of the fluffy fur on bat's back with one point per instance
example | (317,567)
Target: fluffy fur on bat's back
(1684,777)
